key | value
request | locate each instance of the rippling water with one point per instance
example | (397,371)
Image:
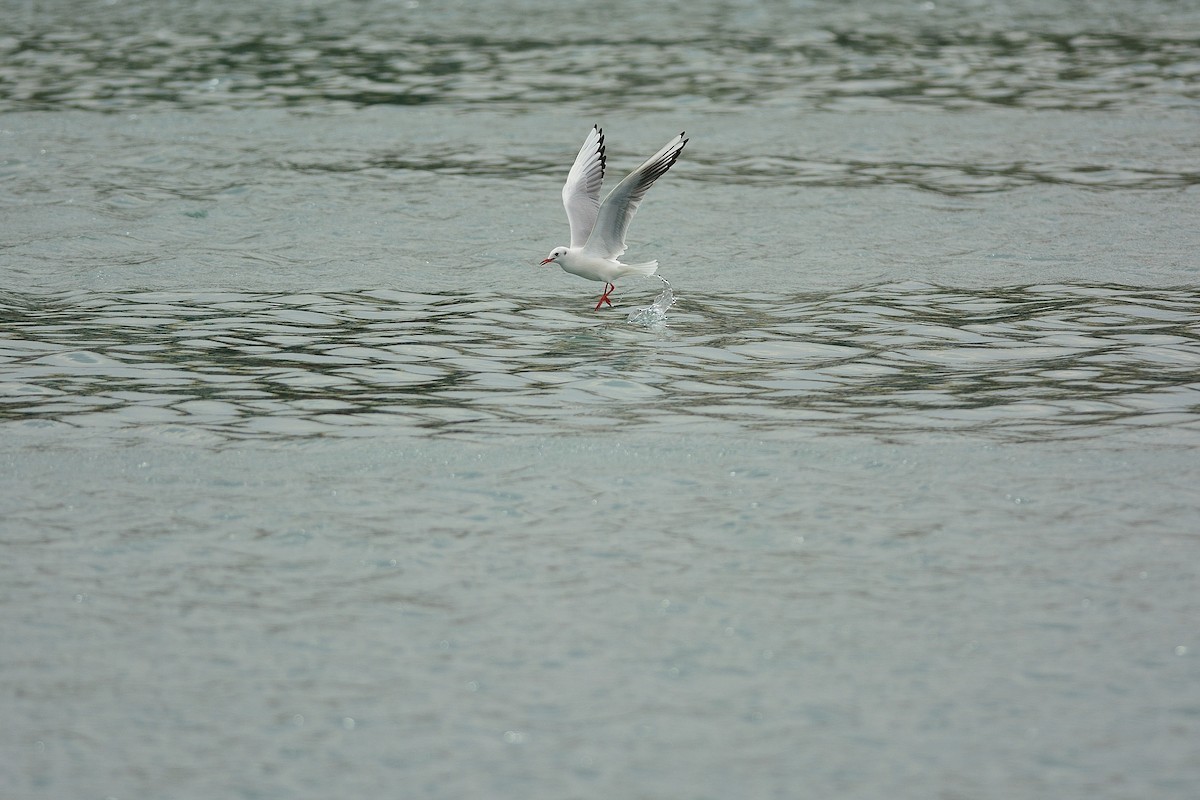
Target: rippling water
(313,483)
(1030,362)
(703,57)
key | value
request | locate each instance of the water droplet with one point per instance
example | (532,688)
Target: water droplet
(348,723)
(1181,650)
(514,737)
(656,313)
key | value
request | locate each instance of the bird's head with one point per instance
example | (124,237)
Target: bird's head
(554,254)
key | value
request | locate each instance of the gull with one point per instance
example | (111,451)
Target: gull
(598,229)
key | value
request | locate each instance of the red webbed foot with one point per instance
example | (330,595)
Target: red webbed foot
(608,288)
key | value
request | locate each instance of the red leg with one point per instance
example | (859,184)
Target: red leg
(608,287)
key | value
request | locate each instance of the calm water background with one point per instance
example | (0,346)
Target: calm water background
(314,485)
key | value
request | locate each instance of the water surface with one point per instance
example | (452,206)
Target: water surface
(314,484)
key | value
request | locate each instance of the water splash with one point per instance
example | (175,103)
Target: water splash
(655,313)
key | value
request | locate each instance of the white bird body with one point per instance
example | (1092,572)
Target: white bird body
(598,229)
(577,262)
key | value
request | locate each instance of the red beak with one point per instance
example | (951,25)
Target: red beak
(547,260)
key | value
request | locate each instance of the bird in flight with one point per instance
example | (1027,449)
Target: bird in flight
(598,228)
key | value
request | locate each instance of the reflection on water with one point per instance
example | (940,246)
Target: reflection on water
(1042,362)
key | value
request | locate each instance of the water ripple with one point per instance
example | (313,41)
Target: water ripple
(1052,361)
(948,178)
(131,56)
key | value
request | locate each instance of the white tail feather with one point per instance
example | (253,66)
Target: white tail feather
(645,268)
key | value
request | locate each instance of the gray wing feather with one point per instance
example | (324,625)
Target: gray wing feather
(607,238)
(581,192)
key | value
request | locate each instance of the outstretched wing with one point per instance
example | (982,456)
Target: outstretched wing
(612,220)
(581,193)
